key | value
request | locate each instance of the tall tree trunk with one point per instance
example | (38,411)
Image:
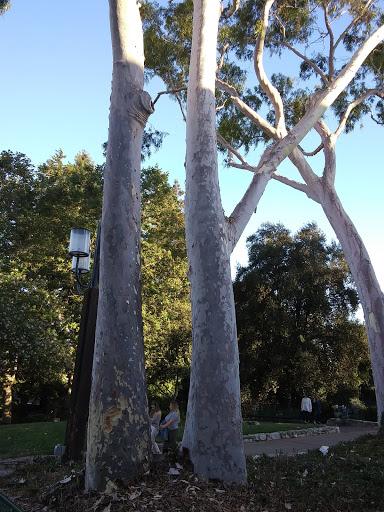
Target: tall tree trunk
(370,294)
(118,431)
(213,433)
(9,380)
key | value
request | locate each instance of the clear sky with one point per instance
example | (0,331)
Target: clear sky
(55,85)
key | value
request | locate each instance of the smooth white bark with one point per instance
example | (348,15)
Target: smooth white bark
(213,432)
(370,294)
(119,443)
(288,142)
(321,190)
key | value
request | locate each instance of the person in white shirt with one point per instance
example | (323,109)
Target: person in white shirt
(306,408)
(155,424)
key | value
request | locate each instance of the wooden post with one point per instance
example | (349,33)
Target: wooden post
(81,386)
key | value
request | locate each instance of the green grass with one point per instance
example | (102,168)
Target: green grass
(24,439)
(275,427)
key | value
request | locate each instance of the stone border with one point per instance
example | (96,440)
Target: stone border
(289,434)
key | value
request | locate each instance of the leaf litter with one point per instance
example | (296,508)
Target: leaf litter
(351,480)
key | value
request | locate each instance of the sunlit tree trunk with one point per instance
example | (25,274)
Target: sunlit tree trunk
(213,432)
(370,294)
(9,380)
(119,444)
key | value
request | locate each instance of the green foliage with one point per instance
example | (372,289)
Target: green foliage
(38,299)
(152,140)
(167,42)
(165,290)
(297,30)
(4,5)
(294,303)
(40,306)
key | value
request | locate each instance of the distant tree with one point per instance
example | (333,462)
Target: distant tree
(4,5)
(33,346)
(38,207)
(165,291)
(295,301)
(41,307)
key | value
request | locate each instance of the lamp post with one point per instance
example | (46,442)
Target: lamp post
(81,385)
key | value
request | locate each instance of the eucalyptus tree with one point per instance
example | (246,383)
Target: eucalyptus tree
(168,31)
(294,305)
(119,444)
(290,105)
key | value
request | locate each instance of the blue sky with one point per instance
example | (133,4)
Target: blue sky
(55,85)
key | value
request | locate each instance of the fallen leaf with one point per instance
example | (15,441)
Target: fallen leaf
(288,506)
(134,495)
(107,508)
(22,481)
(66,479)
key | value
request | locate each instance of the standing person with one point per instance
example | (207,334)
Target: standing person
(316,410)
(306,408)
(171,423)
(155,423)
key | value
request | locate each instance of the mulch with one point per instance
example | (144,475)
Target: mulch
(167,487)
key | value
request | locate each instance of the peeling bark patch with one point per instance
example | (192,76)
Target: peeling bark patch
(111,418)
(372,322)
(113,415)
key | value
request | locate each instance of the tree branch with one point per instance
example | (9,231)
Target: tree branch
(331,56)
(233,9)
(181,107)
(222,55)
(302,187)
(231,149)
(353,104)
(329,141)
(304,58)
(312,153)
(274,155)
(269,89)
(354,21)
(245,109)
(173,91)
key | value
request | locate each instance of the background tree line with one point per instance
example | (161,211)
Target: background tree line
(295,300)
(40,306)
(295,306)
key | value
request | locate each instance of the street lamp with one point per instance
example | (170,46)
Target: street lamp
(81,257)
(81,385)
